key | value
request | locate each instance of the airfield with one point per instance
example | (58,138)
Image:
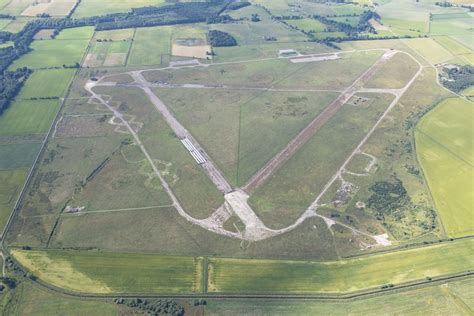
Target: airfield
(215,173)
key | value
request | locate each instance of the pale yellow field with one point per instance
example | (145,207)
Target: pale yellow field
(51,7)
(191,51)
(433,52)
(445,149)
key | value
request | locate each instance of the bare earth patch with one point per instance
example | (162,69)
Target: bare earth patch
(192,51)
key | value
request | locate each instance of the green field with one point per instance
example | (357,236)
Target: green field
(28,117)
(12,182)
(97,272)
(446,153)
(101,7)
(115,35)
(451,24)
(47,83)
(238,132)
(108,53)
(452,45)
(285,196)
(433,52)
(29,299)
(395,74)
(454,298)
(269,276)
(13,156)
(52,53)
(153,39)
(308,25)
(78,33)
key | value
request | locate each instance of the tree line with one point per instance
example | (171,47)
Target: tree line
(10,84)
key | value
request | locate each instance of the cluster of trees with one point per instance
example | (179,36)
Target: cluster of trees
(221,39)
(387,196)
(10,83)
(154,307)
(363,26)
(458,78)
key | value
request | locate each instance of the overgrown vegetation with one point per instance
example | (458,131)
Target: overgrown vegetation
(153,307)
(457,78)
(221,39)
(10,84)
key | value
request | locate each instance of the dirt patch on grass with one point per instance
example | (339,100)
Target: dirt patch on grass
(201,51)
(44,34)
(115,59)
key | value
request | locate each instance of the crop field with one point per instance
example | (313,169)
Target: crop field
(28,117)
(53,53)
(306,173)
(47,83)
(433,52)
(447,299)
(78,33)
(95,272)
(101,7)
(153,39)
(308,25)
(15,26)
(446,153)
(108,54)
(53,8)
(21,155)
(258,276)
(12,181)
(39,301)
(452,45)
(451,24)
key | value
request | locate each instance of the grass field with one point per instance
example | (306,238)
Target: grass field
(15,26)
(12,181)
(240,129)
(97,272)
(453,298)
(152,39)
(394,74)
(47,83)
(277,73)
(101,7)
(446,153)
(28,117)
(78,33)
(14,156)
(52,53)
(30,299)
(173,235)
(308,25)
(115,35)
(258,276)
(285,196)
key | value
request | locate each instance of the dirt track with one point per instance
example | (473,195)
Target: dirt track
(310,130)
